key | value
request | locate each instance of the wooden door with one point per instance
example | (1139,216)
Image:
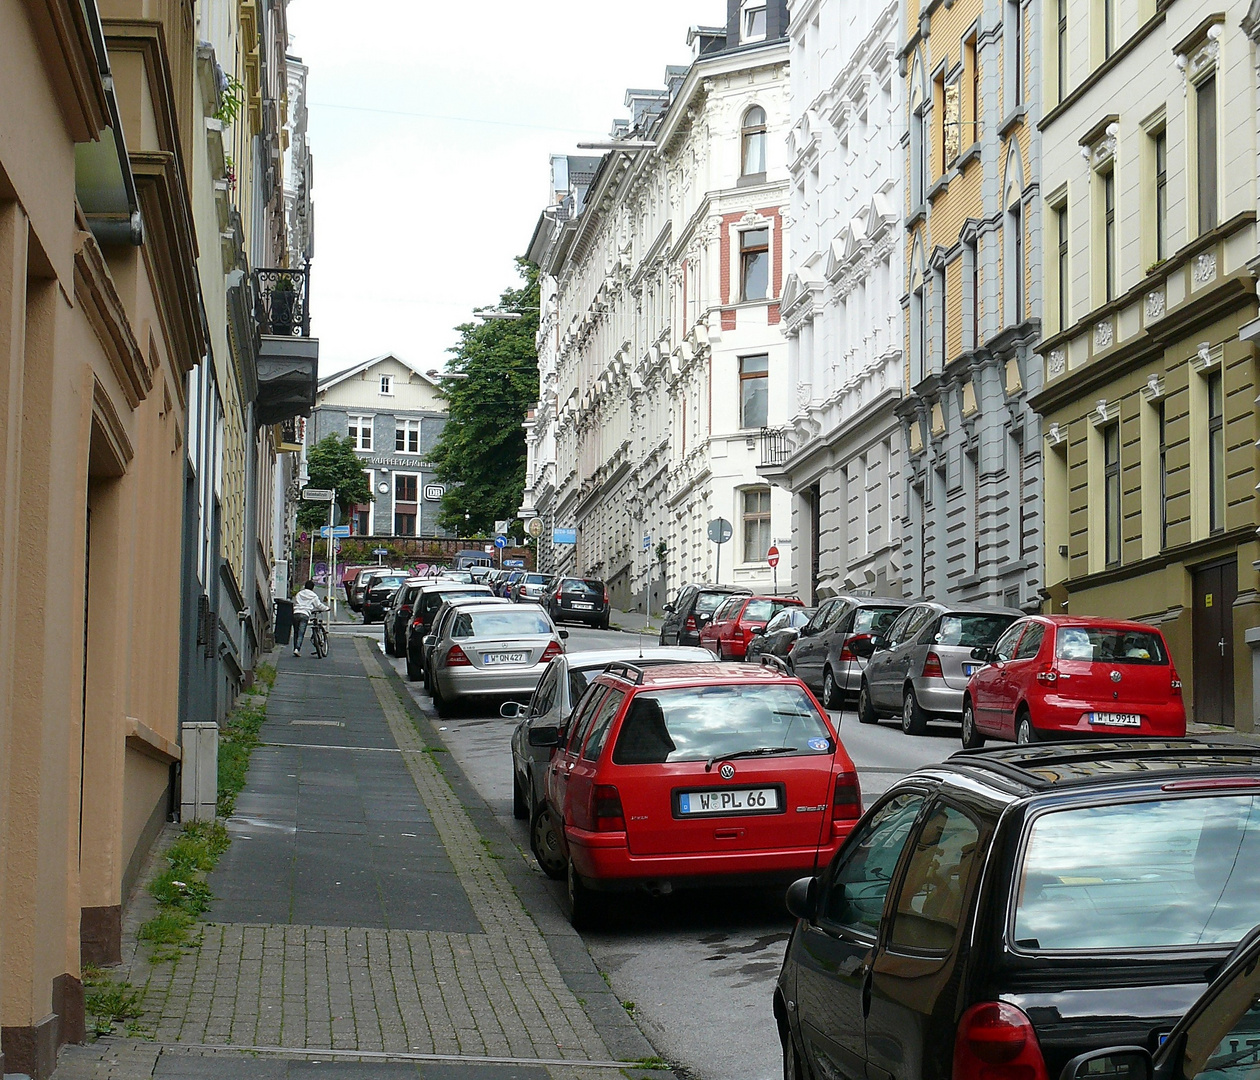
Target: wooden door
(1215,588)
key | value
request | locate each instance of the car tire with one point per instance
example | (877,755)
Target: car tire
(791,1060)
(603,623)
(832,696)
(413,669)
(440,704)
(545,846)
(586,907)
(913,721)
(971,737)
(1025,733)
(865,710)
(520,807)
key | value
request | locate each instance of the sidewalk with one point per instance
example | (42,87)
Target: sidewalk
(371,920)
(632,621)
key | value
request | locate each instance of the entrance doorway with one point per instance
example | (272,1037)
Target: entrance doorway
(1215,588)
(814,497)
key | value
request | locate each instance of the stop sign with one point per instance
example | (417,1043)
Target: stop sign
(772,556)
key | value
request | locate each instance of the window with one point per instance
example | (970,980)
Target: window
(1005,647)
(942,308)
(754,264)
(930,907)
(918,335)
(1030,643)
(1205,151)
(407,436)
(919,158)
(1013,35)
(753,27)
(971,68)
(1064,266)
(754,381)
(1111,493)
(360,432)
(754,142)
(1216,453)
(756,524)
(1161,194)
(1109,27)
(951,125)
(1163,474)
(405,499)
(608,709)
(1015,219)
(971,255)
(1109,234)
(387,384)
(1061,48)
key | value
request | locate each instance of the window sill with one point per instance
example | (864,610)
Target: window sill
(1016,115)
(969,155)
(941,185)
(751,180)
(915,216)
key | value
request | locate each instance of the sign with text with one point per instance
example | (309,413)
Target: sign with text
(317,494)
(564,536)
(334,530)
(434,492)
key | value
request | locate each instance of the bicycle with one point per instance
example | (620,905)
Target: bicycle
(319,636)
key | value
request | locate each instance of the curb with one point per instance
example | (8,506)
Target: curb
(623,1037)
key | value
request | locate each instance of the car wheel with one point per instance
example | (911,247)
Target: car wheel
(585,905)
(832,698)
(413,669)
(545,845)
(791,1061)
(971,737)
(603,623)
(913,722)
(865,710)
(520,808)
(1025,733)
(440,703)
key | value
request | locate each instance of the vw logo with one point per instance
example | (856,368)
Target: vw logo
(726,771)
(1115,676)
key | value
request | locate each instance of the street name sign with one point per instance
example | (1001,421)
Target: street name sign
(311,494)
(380,551)
(647,541)
(514,564)
(334,530)
(564,536)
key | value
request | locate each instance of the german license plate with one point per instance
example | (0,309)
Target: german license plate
(728,801)
(1116,719)
(582,605)
(970,669)
(492,658)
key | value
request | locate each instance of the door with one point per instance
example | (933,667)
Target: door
(565,757)
(988,685)
(815,532)
(880,669)
(1017,676)
(1215,589)
(807,652)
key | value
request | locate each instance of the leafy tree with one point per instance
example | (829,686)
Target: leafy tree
(332,463)
(481,453)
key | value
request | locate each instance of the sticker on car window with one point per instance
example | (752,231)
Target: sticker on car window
(820,745)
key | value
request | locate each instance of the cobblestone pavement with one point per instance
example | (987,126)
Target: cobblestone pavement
(263,999)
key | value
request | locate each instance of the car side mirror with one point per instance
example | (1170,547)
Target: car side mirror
(564,635)
(863,647)
(1121,1062)
(802,898)
(545,735)
(982,652)
(669,607)
(512,710)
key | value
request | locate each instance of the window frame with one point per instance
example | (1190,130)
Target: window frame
(1063,269)
(406,427)
(749,132)
(1159,150)
(1113,496)
(361,424)
(747,13)
(1061,49)
(747,254)
(1162,420)
(754,376)
(415,478)
(1215,381)
(757,518)
(386,386)
(1206,152)
(1110,247)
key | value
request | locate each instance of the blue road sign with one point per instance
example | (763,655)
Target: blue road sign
(500,541)
(647,541)
(564,536)
(514,564)
(334,530)
(380,551)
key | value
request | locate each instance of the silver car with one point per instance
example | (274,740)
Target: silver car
(466,594)
(532,587)
(491,649)
(919,668)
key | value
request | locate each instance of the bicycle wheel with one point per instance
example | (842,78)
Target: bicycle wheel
(320,637)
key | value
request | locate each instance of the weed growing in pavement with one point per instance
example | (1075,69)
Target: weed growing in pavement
(180,890)
(629,1006)
(106,1002)
(266,675)
(653,1063)
(237,740)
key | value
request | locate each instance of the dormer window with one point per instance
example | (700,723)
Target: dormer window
(387,385)
(753,26)
(754,138)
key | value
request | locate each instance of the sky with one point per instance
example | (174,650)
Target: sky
(431,125)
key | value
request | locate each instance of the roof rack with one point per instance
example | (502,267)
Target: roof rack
(776,662)
(632,673)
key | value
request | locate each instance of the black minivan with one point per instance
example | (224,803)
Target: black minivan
(579,599)
(998,914)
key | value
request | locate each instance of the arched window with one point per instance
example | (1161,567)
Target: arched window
(754,132)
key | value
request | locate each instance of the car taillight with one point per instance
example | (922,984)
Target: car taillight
(606,812)
(605,595)
(996,1041)
(847,655)
(690,625)
(456,658)
(847,802)
(417,622)
(932,667)
(550,652)
(1048,677)
(1176,684)
(557,596)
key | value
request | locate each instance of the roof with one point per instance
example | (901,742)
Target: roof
(1094,620)
(667,675)
(601,658)
(329,381)
(971,609)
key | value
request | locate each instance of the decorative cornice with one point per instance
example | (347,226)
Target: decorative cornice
(95,293)
(65,40)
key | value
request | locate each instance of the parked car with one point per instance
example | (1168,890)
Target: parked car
(503,585)
(918,669)
(348,577)
(398,615)
(561,687)
(429,599)
(700,774)
(531,588)
(1217,1039)
(580,600)
(480,573)
(467,594)
(464,577)
(997,914)
(486,649)
(824,656)
(1068,676)
(733,625)
(379,588)
(359,586)
(777,636)
(694,606)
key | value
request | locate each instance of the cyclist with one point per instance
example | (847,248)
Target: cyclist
(305,604)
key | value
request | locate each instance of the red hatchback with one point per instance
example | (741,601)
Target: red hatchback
(1061,676)
(735,623)
(696,774)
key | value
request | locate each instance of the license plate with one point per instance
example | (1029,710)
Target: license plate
(726,801)
(970,669)
(491,658)
(1113,719)
(582,605)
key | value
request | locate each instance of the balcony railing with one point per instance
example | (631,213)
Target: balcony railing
(774,446)
(282,302)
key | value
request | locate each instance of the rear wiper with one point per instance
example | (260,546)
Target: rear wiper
(759,751)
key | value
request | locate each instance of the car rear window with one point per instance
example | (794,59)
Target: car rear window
(874,620)
(701,722)
(536,579)
(1105,645)
(972,631)
(387,583)
(764,609)
(509,621)
(708,602)
(1160,874)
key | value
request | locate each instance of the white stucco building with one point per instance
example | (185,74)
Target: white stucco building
(840,453)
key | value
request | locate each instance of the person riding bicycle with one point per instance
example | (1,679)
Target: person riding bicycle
(305,604)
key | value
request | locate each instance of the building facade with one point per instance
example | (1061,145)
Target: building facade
(840,455)
(394,413)
(972,523)
(1149,198)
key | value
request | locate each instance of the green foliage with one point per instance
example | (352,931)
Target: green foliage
(332,463)
(265,675)
(481,453)
(106,1002)
(236,743)
(168,927)
(231,99)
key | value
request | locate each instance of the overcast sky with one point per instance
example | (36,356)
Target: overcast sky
(431,126)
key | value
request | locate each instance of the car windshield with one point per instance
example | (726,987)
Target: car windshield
(1108,645)
(972,631)
(709,602)
(702,722)
(509,621)
(764,609)
(1173,872)
(462,576)
(874,620)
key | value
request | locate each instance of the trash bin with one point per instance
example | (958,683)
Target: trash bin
(284,621)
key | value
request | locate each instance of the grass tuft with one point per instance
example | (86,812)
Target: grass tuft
(107,1002)
(237,740)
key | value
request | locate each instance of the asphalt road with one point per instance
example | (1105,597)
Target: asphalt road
(696,969)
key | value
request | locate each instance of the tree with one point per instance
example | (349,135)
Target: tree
(332,463)
(480,455)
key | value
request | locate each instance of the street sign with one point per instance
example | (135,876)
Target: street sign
(564,536)
(534,526)
(380,551)
(502,526)
(334,530)
(647,541)
(720,530)
(317,494)
(500,541)
(772,556)
(514,564)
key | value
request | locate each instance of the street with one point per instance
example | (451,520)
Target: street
(695,969)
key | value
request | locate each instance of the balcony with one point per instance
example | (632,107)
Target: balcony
(774,447)
(288,357)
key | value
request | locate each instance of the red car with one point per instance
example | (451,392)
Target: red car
(695,774)
(735,623)
(1061,676)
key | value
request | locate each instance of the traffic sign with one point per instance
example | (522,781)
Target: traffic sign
(772,556)
(720,530)
(514,564)
(647,541)
(564,536)
(500,541)
(334,530)
(317,494)
(502,526)
(380,551)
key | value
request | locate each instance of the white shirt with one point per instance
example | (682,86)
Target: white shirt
(307,602)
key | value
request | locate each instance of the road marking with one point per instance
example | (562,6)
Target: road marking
(321,674)
(392,1055)
(325,746)
(316,723)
